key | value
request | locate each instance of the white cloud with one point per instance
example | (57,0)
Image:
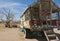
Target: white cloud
(10,4)
(17,8)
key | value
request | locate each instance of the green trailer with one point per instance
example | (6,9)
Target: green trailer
(38,17)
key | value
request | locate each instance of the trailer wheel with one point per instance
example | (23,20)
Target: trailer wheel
(26,33)
(43,35)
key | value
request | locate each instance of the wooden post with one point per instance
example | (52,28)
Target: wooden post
(44,8)
(50,13)
(58,19)
(40,13)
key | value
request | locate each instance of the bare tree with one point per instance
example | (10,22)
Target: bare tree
(9,16)
(1,18)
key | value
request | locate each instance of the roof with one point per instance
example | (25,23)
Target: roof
(55,8)
(27,8)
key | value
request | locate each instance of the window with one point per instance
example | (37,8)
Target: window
(54,16)
(27,16)
(35,13)
(44,22)
(48,22)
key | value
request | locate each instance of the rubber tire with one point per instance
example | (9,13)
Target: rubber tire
(43,35)
(27,33)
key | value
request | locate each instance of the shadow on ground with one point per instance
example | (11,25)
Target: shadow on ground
(39,38)
(44,39)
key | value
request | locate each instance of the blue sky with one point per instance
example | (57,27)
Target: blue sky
(18,6)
